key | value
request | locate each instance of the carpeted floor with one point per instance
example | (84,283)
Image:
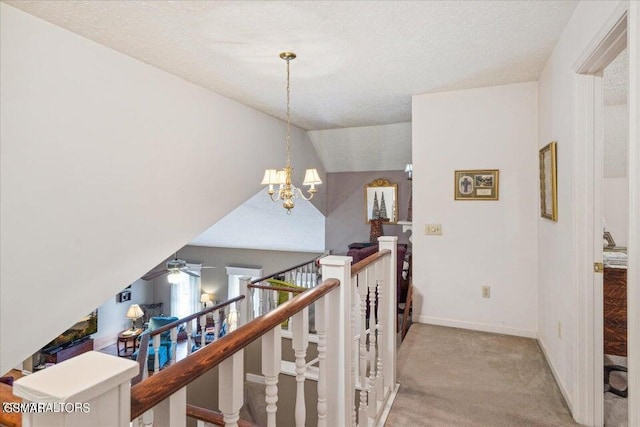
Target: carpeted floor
(456,377)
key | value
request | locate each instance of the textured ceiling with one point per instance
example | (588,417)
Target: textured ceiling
(358,62)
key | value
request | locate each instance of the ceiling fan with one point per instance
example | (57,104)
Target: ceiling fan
(175,269)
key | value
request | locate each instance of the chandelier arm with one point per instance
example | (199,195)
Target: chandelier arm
(301,194)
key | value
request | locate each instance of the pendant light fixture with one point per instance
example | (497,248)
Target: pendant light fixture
(286,191)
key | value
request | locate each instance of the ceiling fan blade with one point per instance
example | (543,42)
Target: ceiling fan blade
(190,273)
(153,274)
(207,267)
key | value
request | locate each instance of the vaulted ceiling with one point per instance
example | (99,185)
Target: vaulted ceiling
(358,63)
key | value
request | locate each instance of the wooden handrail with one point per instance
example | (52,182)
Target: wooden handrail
(147,394)
(361,265)
(190,317)
(278,288)
(213,417)
(9,419)
(284,271)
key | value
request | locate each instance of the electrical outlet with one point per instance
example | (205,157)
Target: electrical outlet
(486,292)
(433,229)
(559,329)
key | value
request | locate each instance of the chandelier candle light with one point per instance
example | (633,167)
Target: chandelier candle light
(282,177)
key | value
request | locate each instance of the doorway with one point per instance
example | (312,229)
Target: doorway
(622,31)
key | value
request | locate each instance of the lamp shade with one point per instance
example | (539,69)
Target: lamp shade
(134,312)
(270,177)
(311,177)
(204,298)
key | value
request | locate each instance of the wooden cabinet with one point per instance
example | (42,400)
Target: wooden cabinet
(615,311)
(69,352)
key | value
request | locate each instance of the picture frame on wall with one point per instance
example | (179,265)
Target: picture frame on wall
(548,182)
(476,184)
(381,201)
(124,295)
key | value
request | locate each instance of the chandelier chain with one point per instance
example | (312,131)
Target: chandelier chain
(288,137)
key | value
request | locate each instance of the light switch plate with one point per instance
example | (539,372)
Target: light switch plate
(433,229)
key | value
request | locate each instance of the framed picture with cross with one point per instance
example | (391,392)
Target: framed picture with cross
(480,184)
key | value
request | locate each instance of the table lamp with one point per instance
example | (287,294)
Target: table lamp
(134,313)
(204,298)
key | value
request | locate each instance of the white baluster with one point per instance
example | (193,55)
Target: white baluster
(300,329)
(189,334)
(216,324)
(271,361)
(156,350)
(171,412)
(174,343)
(362,290)
(379,366)
(245,305)
(321,330)
(371,384)
(231,388)
(203,330)
(390,310)
(354,314)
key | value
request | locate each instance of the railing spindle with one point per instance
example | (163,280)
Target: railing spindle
(203,329)
(362,290)
(354,318)
(380,342)
(156,351)
(174,343)
(231,387)
(300,343)
(371,384)
(321,329)
(271,357)
(189,337)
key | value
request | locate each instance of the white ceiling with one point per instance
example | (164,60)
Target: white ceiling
(358,62)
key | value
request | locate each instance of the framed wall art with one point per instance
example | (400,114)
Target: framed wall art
(381,201)
(548,182)
(480,184)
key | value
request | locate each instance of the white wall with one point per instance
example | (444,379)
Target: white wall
(615,194)
(112,314)
(557,292)
(483,242)
(108,166)
(260,223)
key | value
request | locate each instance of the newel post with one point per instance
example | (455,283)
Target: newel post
(390,311)
(92,389)
(339,341)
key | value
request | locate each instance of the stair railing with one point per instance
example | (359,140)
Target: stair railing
(220,312)
(103,382)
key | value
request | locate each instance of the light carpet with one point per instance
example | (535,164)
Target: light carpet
(456,377)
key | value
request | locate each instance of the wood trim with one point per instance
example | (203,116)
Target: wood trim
(361,265)
(163,384)
(9,419)
(213,417)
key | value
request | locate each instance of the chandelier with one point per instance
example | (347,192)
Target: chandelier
(286,191)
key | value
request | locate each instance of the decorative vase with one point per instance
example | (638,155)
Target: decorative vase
(376,230)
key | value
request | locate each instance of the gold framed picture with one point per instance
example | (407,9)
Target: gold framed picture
(548,182)
(479,184)
(381,201)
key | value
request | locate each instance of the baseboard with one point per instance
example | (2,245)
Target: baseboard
(561,386)
(474,326)
(102,342)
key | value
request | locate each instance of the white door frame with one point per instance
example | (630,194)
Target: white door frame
(623,28)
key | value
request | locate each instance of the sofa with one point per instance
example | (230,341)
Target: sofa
(166,347)
(359,252)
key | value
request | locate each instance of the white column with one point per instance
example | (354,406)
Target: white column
(300,329)
(103,395)
(390,308)
(231,388)
(271,361)
(245,306)
(321,329)
(339,341)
